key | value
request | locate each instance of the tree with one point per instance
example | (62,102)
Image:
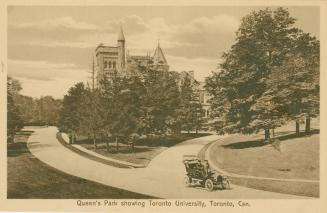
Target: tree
(71,113)
(161,100)
(14,120)
(190,109)
(91,114)
(297,80)
(122,103)
(242,98)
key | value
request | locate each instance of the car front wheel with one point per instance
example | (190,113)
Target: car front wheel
(209,185)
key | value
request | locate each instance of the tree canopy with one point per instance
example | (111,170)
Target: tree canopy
(257,84)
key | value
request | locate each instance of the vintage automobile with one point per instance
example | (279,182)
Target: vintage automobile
(199,173)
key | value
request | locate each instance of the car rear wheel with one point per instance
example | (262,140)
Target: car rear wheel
(209,184)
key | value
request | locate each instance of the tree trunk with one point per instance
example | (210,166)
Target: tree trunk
(297,128)
(196,131)
(273,132)
(107,144)
(94,141)
(72,141)
(267,136)
(116,144)
(70,138)
(307,125)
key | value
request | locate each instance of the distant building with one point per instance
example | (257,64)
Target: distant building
(204,97)
(115,59)
(203,94)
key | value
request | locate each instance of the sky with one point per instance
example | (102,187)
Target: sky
(50,48)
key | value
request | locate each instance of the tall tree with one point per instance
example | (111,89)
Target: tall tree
(91,114)
(297,80)
(242,97)
(14,120)
(190,109)
(71,113)
(161,101)
(122,102)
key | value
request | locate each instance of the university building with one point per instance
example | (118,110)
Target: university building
(115,59)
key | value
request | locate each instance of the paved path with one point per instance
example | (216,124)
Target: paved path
(162,178)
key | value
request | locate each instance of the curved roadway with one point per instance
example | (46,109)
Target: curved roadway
(163,177)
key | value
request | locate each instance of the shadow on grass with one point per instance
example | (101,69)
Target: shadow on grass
(121,149)
(154,141)
(281,136)
(16,149)
(19,146)
(168,141)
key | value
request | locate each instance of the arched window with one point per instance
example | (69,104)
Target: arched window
(105,64)
(109,64)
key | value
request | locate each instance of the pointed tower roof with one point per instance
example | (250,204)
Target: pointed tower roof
(121,36)
(159,57)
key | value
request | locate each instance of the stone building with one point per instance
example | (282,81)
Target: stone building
(115,59)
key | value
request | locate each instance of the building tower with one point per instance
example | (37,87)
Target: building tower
(121,51)
(159,59)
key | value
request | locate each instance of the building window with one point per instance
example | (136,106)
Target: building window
(109,64)
(114,64)
(105,64)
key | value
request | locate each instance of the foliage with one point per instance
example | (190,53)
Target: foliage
(161,100)
(71,113)
(121,101)
(14,120)
(190,111)
(270,75)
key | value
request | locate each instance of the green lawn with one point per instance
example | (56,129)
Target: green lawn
(30,178)
(294,158)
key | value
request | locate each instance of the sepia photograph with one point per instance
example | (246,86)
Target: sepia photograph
(162,106)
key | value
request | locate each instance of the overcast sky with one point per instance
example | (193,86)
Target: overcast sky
(50,48)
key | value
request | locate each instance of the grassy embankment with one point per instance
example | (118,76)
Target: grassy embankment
(30,178)
(291,158)
(145,149)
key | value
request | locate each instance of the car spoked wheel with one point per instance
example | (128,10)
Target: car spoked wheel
(209,185)
(187,181)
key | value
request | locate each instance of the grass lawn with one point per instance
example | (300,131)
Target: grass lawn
(144,150)
(294,158)
(30,178)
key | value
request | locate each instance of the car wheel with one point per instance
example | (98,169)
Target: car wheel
(209,184)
